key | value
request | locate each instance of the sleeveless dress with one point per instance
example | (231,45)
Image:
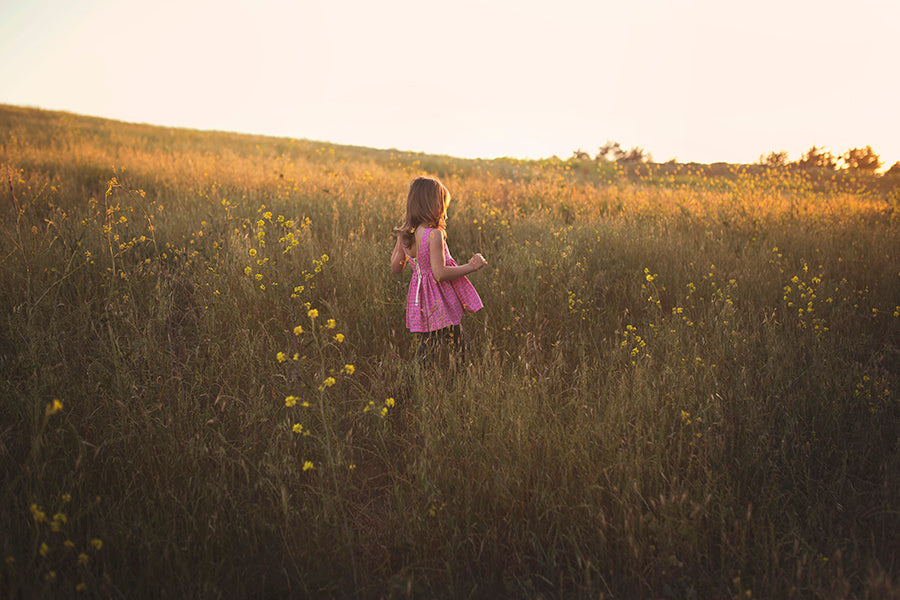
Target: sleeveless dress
(433,305)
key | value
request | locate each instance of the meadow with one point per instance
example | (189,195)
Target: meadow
(685,383)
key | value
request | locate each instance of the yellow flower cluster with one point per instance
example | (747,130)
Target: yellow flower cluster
(55,548)
(382,410)
(37,514)
(635,342)
(802,299)
(289,239)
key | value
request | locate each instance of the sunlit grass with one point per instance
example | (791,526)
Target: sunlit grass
(685,385)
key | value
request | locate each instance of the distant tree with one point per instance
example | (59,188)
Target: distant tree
(895,169)
(774,159)
(817,158)
(635,155)
(581,155)
(862,159)
(610,151)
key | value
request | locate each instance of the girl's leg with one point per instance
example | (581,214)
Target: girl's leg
(449,340)
(428,344)
(459,345)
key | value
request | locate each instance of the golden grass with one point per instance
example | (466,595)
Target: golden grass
(686,382)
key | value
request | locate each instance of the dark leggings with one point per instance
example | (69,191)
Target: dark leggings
(447,341)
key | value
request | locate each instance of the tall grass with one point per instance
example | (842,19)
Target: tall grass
(684,386)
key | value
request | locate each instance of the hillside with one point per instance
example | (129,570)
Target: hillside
(683,384)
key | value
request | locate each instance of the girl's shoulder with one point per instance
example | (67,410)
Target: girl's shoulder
(436,241)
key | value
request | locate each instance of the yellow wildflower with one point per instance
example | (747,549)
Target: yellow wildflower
(53,407)
(339,337)
(291,401)
(308,465)
(298,330)
(96,544)
(83,559)
(252,251)
(349,369)
(280,357)
(330,324)
(389,402)
(313,313)
(297,428)
(37,514)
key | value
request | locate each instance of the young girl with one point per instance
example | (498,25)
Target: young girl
(439,291)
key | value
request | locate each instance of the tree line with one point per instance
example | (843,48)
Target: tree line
(612,151)
(863,160)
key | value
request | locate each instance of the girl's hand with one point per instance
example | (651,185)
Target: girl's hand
(398,257)
(477,261)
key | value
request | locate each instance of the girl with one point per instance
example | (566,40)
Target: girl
(439,291)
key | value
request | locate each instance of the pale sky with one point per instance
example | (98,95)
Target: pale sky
(695,80)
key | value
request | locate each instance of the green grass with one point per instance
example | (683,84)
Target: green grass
(685,385)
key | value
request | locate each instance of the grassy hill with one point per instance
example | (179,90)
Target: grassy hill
(686,379)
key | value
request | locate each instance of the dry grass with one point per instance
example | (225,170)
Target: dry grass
(686,384)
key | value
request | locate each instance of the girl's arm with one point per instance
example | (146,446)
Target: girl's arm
(398,258)
(439,267)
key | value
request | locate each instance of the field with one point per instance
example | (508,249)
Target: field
(685,384)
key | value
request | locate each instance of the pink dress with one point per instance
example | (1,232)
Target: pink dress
(433,305)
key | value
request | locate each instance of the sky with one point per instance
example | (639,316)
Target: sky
(690,80)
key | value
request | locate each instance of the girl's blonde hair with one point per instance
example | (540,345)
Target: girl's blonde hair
(426,204)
